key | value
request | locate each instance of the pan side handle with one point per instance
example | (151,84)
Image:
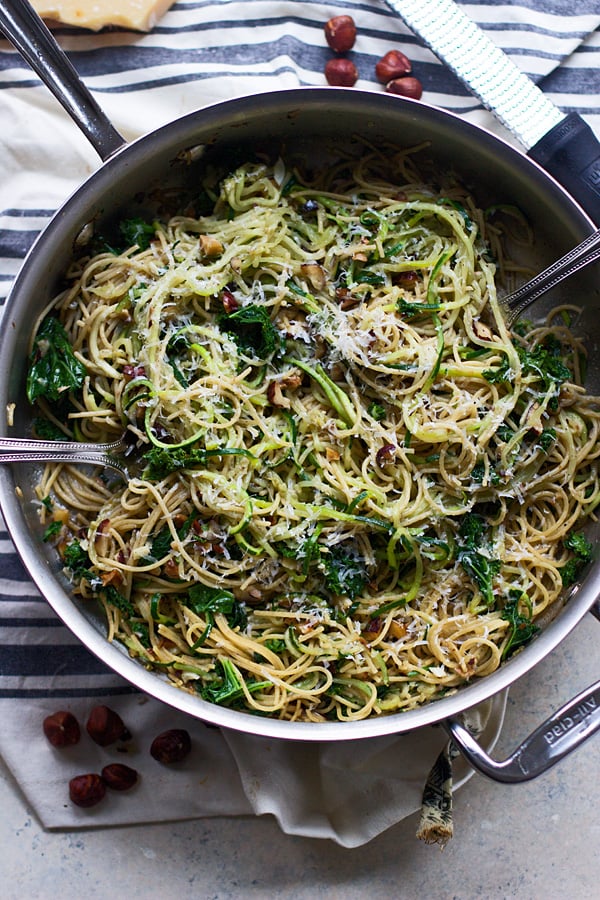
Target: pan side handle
(559,735)
(27,32)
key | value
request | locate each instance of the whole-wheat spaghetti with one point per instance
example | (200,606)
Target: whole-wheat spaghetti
(352,488)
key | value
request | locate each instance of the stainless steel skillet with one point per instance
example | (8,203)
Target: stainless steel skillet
(165,164)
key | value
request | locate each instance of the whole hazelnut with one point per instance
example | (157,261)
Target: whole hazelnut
(340,33)
(171,746)
(119,777)
(393,65)
(62,729)
(105,726)
(405,87)
(86,790)
(341,73)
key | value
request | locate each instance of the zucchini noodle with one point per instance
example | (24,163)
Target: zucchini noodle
(352,489)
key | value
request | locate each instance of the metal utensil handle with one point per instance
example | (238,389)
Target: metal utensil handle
(558,736)
(88,459)
(27,32)
(15,450)
(583,255)
(33,445)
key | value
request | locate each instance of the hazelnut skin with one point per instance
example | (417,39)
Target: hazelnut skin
(393,65)
(119,777)
(62,729)
(105,726)
(171,746)
(86,790)
(385,454)
(341,73)
(229,302)
(405,87)
(340,33)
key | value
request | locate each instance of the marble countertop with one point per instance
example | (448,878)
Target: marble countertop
(538,839)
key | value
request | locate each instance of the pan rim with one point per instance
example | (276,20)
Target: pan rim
(41,571)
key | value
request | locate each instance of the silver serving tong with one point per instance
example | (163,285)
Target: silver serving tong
(111,455)
(588,251)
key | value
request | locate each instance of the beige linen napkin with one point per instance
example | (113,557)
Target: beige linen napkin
(348,792)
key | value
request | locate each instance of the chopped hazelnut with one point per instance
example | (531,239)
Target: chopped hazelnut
(315,274)
(210,246)
(385,454)
(229,302)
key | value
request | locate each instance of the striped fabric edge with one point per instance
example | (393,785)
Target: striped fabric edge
(242,33)
(208,42)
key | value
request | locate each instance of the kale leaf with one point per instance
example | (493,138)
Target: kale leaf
(579,544)
(499,375)
(116,599)
(478,565)
(142,633)
(78,564)
(344,574)
(522,628)
(161,544)
(544,360)
(252,329)
(136,231)
(204,600)
(546,439)
(53,530)
(127,233)
(161,461)
(47,430)
(376,411)
(478,473)
(276,645)
(53,367)
(228,686)
(582,551)
(177,345)
(77,561)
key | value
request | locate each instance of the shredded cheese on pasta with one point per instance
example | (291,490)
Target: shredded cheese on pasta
(367,481)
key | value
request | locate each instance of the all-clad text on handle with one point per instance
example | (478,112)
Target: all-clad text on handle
(560,734)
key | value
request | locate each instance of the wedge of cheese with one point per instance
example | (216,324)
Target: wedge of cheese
(140,15)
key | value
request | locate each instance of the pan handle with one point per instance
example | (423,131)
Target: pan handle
(561,733)
(27,32)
